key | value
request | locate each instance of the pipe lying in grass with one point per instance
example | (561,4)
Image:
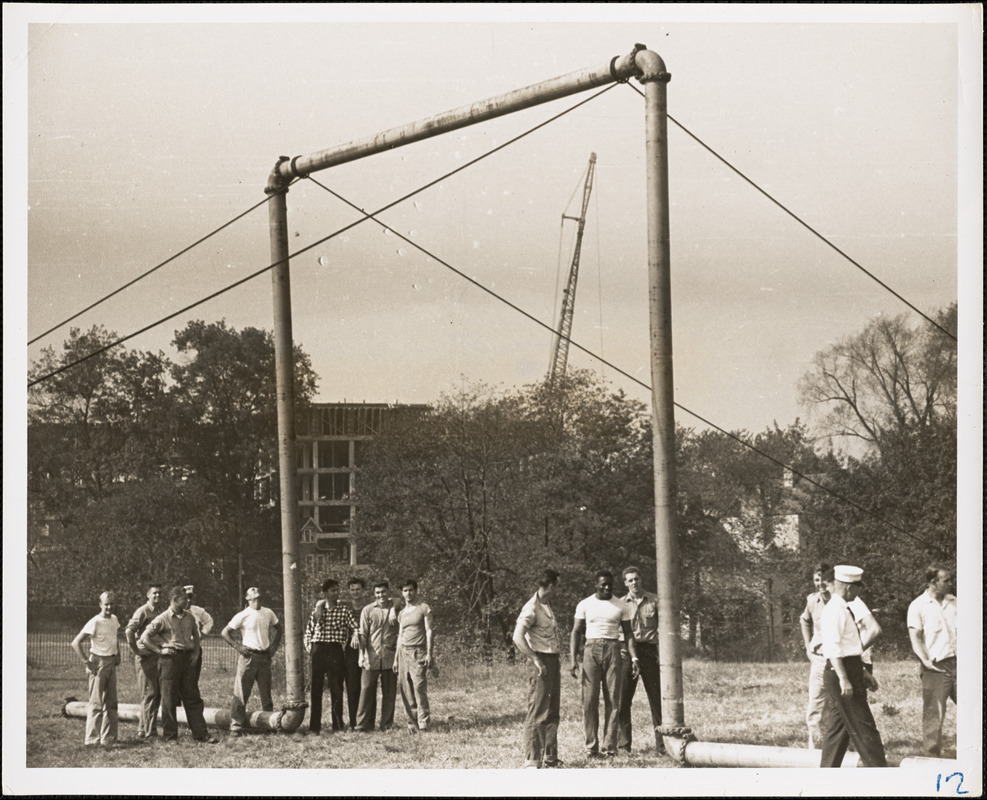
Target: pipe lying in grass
(714,754)
(286,720)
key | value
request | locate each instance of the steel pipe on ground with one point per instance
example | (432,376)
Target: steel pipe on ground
(285,720)
(715,754)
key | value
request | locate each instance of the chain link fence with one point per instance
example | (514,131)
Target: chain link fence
(51,629)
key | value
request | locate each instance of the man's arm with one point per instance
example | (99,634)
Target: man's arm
(806,626)
(309,633)
(400,628)
(578,626)
(625,626)
(275,638)
(145,639)
(428,637)
(870,630)
(845,688)
(77,646)
(196,642)
(917,638)
(521,644)
(227,634)
(207,622)
(130,633)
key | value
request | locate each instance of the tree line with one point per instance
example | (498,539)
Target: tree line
(148,465)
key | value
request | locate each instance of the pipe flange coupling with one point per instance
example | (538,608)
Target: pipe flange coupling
(678,731)
(275,183)
(652,67)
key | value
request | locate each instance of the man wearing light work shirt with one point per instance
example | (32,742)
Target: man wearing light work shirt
(536,636)
(644,624)
(932,630)
(601,618)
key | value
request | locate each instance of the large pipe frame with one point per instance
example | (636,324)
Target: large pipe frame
(620,68)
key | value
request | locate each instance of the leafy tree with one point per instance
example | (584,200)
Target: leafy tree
(141,476)
(733,502)
(478,494)
(881,383)
(89,425)
(893,388)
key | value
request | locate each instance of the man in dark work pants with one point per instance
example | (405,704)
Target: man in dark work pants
(846,715)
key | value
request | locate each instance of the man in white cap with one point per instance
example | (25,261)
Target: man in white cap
(203,620)
(260,634)
(846,715)
(932,630)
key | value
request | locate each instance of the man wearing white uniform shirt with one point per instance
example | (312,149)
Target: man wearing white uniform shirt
(932,630)
(260,634)
(846,716)
(601,618)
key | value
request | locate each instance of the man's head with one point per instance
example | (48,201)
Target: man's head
(106,602)
(356,587)
(253,597)
(330,589)
(939,580)
(604,585)
(190,591)
(409,590)
(547,581)
(846,581)
(154,594)
(632,580)
(818,573)
(178,599)
(382,593)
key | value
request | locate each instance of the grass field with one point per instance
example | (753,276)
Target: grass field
(478,715)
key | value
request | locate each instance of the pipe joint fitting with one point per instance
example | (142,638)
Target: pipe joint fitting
(276,183)
(651,66)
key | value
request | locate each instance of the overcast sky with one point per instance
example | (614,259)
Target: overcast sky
(125,142)
(144,137)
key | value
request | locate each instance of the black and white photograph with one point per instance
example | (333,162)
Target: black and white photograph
(436,399)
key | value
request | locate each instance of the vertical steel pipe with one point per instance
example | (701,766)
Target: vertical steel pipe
(655,80)
(285,375)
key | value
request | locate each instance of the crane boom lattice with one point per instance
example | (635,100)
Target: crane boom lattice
(560,353)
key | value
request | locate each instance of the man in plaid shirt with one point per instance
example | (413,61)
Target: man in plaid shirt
(329,628)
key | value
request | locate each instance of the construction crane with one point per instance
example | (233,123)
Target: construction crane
(560,353)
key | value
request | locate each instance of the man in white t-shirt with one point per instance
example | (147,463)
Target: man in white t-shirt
(260,634)
(601,618)
(932,630)
(101,668)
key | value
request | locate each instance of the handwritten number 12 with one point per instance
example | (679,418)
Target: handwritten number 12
(959,775)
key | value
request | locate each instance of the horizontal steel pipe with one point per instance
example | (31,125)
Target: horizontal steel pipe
(623,67)
(714,754)
(286,720)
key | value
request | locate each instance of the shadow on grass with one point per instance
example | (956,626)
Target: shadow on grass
(479,723)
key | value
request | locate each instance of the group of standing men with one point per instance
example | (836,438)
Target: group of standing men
(166,643)
(356,647)
(390,644)
(620,647)
(839,630)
